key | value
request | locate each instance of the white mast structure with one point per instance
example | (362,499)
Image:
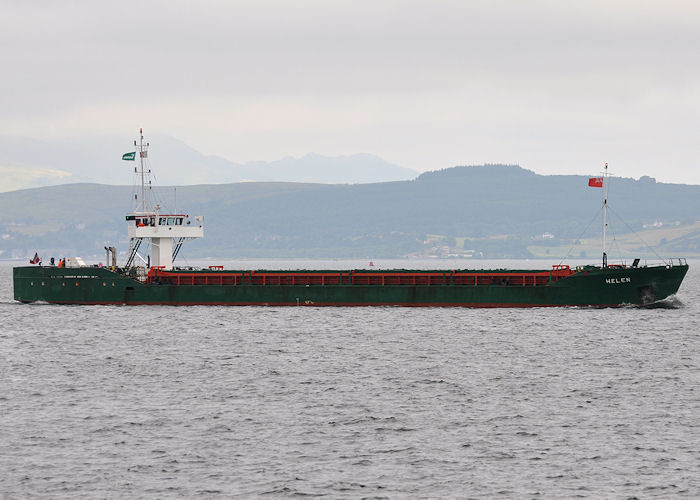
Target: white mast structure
(605,214)
(162,229)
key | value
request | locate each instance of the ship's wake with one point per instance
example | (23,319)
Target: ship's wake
(671,302)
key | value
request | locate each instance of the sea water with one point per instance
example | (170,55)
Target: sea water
(383,402)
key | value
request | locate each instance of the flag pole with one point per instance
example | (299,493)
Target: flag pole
(605,213)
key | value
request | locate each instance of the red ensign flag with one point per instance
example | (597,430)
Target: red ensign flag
(596,182)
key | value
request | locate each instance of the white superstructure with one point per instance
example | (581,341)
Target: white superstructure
(166,231)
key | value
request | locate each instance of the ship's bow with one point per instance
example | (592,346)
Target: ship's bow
(661,282)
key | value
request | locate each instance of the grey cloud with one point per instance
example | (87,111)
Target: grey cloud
(558,67)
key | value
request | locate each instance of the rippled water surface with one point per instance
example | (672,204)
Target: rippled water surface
(151,401)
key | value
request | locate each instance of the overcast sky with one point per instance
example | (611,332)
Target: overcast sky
(555,86)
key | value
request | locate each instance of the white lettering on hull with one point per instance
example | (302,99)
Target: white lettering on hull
(615,281)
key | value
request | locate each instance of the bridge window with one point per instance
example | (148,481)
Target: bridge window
(161,221)
(178,221)
(171,221)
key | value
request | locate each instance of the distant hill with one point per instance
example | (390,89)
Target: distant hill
(28,163)
(487,210)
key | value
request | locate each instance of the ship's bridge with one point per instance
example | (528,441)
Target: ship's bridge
(164,226)
(162,229)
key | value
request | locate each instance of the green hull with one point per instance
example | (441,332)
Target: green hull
(589,287)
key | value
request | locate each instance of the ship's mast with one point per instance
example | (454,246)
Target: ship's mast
(605,213)
(143,153)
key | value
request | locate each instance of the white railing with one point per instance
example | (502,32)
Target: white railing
(670,262)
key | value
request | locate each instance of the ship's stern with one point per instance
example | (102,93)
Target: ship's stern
(23,279)
(70,285)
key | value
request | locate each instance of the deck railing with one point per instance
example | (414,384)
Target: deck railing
(388,278)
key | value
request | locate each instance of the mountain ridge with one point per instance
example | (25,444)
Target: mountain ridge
(26,163)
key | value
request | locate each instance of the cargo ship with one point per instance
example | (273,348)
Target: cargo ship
(157,281)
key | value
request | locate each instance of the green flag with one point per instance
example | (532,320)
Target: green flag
(129,156)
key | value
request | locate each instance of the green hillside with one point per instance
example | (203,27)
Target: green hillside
(490,211)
